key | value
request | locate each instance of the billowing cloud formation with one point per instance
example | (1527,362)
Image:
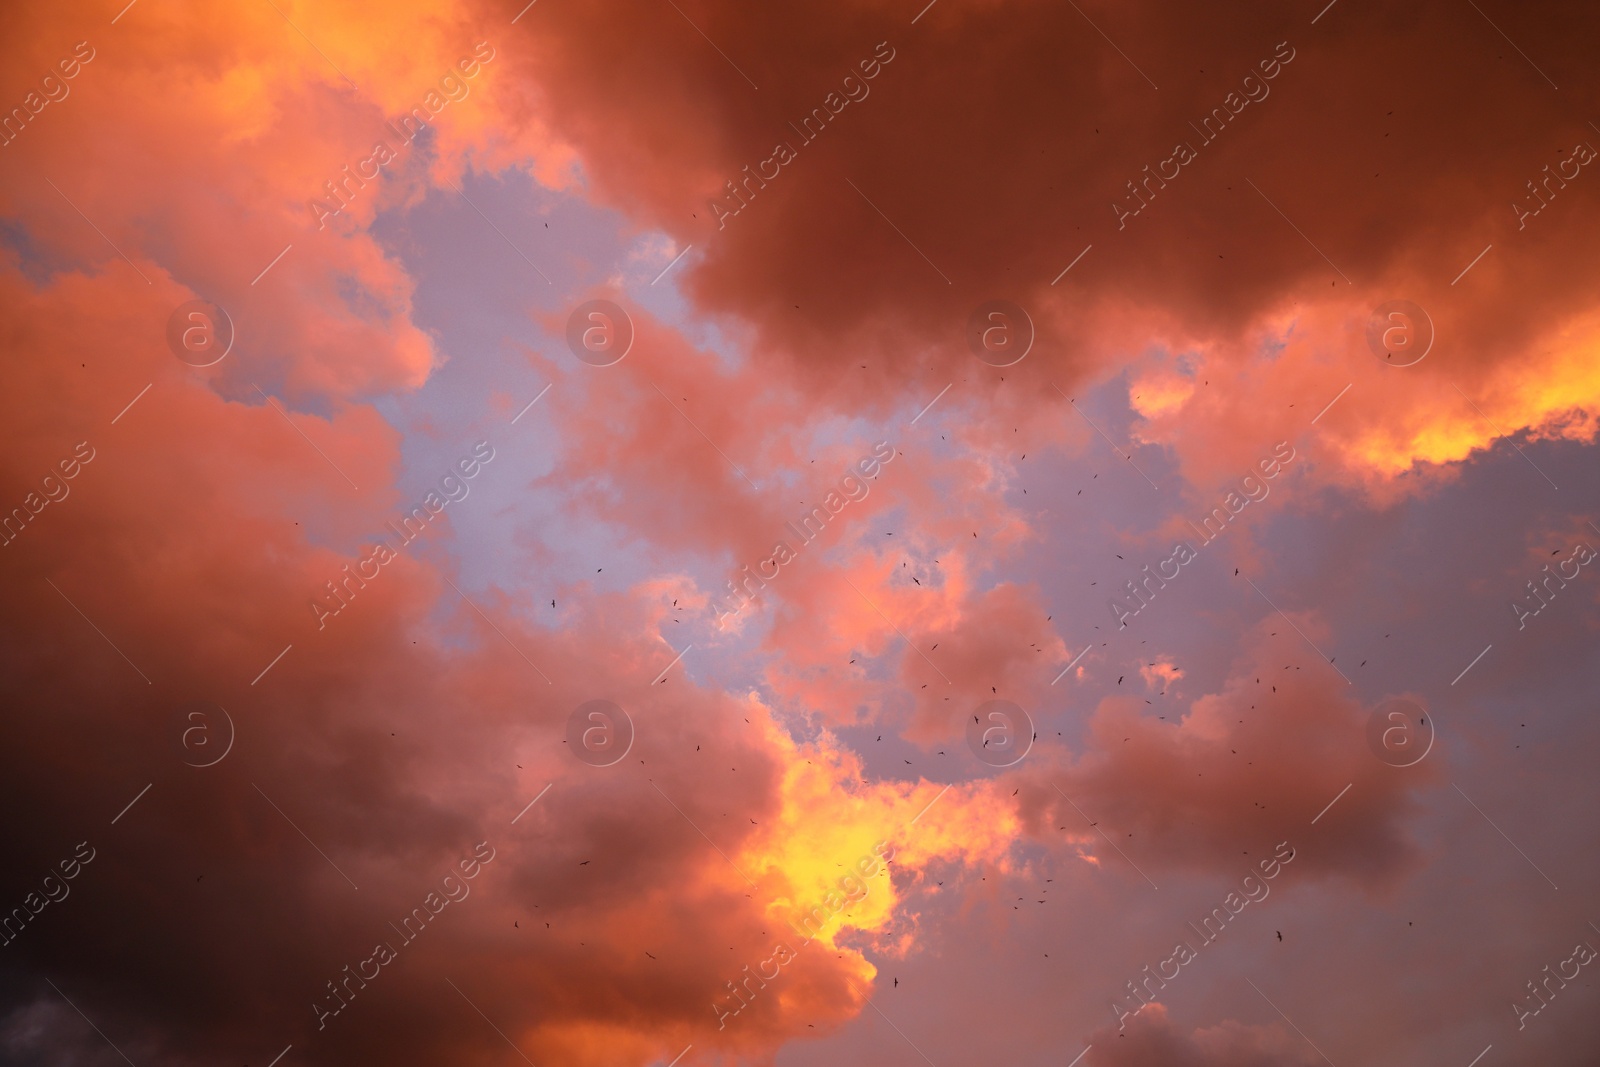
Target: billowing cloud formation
(396,764)
(1047,141)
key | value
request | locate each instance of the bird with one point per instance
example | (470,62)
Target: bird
(897,983)
(648,954)
(1280,934)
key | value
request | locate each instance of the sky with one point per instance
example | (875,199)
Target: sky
(634,534)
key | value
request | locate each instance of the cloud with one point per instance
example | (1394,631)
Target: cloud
(1152,1039)
(377,751)
(1242,769)
(1213,261)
